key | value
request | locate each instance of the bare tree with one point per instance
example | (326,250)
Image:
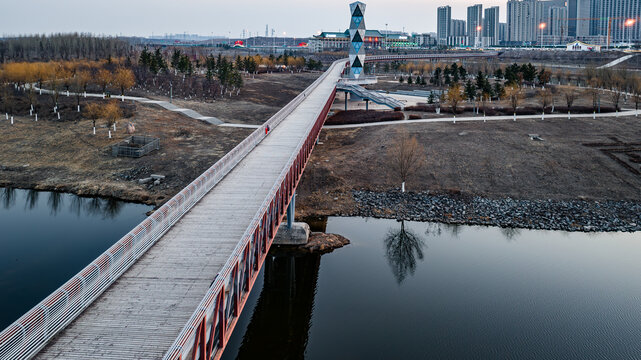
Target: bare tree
(570,96)
(635,88)
(545,99)
(514,95)
(406,157)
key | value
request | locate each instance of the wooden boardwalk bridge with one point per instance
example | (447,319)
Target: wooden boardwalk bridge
(175,285)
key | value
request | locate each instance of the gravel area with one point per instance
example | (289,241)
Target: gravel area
(573,215)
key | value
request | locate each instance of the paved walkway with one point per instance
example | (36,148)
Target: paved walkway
(617,61)
(169,106)
(482,119)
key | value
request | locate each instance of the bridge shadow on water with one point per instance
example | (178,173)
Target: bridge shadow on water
(281,319)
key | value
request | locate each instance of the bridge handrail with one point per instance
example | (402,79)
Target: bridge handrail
(187,338)
(31,332)
(429,56)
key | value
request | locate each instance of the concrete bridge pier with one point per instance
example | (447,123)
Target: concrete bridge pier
(292,233)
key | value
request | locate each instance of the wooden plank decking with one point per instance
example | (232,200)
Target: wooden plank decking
(143,312)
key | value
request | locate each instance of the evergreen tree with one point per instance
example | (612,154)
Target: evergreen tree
(480,80)
(470,90)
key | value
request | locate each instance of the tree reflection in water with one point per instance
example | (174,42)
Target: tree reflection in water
(8,197)
(32,199)
(112,208)
(510,233)
(55,202)
(403,248)
(107,208)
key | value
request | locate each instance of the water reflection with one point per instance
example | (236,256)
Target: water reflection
(54,202)
(32,199)
(403,248)
(8,197)
(47,237)
(280,323)
(106,208)
(510,234)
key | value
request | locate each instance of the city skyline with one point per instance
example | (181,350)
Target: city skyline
(219,19)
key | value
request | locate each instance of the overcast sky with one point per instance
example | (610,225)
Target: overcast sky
(220,17)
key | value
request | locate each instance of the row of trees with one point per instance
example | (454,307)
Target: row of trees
(27,78)
(62,47)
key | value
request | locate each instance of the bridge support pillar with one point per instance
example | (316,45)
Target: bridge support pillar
(291,211)
(366,104)
(292,233)
(345,100)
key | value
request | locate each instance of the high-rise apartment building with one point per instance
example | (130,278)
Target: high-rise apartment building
(491,26)
(558,22)
(443,24)
(521,21)
(458,28)
(474,24)
(613,16)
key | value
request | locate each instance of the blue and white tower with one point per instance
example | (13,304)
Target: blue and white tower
(357,39)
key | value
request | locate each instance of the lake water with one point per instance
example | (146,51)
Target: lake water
(432,291)
(47,237)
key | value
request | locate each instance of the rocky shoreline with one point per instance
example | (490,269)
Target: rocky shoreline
(570,215)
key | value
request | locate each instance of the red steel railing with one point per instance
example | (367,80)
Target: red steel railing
(206,334)
(26,336)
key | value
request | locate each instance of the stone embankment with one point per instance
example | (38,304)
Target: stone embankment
(572,215)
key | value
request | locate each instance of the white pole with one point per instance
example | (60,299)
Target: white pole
(514,116)
(94,130)
(85,94)
(58,116)
(78,108)
(12,120)
(594,115)
(110,134)
(114,126)
(67,93)
(36,117)
(123,98)
(568,115)
(403,187)
(30,112)
(6,116)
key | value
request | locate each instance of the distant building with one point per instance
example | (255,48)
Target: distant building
(424,40)
(458,28)
(612,15)
(581,46)
(474,24)
(443,24)
(579,14)
(502,32)
(558,26)
(521,20)
(491,26)
(373,39)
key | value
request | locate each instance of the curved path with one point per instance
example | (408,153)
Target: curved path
(483,119)
(167,105)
